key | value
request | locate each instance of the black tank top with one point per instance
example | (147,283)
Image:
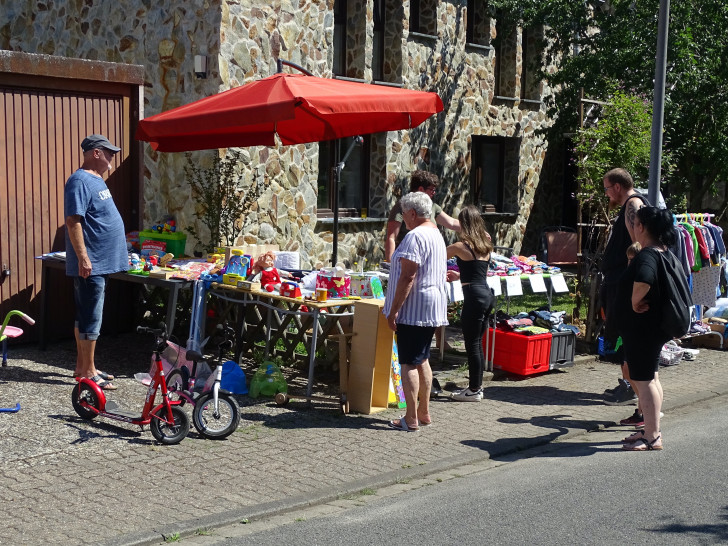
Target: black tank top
(614,260)
(473,271)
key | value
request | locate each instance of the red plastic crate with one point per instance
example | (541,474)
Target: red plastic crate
(520,354)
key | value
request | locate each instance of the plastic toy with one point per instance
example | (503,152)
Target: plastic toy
(290,289)
(269,277)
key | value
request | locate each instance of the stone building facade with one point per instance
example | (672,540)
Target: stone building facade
(485,146)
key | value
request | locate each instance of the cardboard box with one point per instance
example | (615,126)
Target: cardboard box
(521,354)
(370,365)
(716,339)
(252,250)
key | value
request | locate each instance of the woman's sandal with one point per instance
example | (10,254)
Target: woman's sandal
(644,445)
(402,425)
(632,438)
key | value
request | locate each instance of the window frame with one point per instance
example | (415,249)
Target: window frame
(333,161)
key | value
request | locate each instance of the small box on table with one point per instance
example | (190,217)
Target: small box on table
(521,354)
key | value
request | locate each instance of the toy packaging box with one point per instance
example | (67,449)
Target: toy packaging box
(172,242)
(361,284)
(335,281)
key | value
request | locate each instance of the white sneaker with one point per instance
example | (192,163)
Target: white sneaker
(466,395)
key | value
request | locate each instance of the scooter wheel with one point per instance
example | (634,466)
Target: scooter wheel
(178,381)
(282,399)
(83,396)
(212,424)
(166,433)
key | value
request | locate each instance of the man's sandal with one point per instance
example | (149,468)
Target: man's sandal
(105,385)
(644,445)
(103,375)
(402,425)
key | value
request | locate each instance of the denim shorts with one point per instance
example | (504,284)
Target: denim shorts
(413,343)
(88,294)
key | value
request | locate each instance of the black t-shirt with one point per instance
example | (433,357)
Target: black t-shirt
(614,260)
(643,268)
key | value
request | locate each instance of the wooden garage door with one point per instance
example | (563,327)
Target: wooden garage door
(40,135)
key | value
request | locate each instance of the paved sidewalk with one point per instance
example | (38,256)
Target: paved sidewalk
(65,479)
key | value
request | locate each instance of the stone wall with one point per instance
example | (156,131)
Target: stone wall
(242,39)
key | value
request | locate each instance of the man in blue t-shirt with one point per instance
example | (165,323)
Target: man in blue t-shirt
(95,247)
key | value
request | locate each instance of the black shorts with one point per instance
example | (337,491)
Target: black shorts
(642,355)
(413,343)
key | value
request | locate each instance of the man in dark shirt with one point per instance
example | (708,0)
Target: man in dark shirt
(619,187)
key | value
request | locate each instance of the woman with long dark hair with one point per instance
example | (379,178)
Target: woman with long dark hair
(639,319)
(472,253)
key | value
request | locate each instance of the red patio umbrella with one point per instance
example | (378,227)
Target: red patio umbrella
(298,108)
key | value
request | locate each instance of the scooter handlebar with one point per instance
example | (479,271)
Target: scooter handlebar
(27,319)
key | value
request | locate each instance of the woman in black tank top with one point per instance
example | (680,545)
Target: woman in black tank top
(472,253)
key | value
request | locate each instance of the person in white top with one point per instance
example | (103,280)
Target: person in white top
(416,304)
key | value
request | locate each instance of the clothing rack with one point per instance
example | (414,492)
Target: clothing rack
(699,216)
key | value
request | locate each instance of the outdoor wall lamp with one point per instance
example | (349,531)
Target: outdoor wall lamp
(201,66)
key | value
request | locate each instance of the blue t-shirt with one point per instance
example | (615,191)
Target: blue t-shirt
(87,195)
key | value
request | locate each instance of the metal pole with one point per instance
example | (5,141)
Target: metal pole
(357,140)
(281,62)
(658,111)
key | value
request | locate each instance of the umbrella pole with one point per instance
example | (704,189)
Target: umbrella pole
(281,62)
(357,140)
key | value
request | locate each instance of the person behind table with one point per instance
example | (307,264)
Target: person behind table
(472,253)
(416,304)
(420,181)
(638,315)
(95,248)
(619,188)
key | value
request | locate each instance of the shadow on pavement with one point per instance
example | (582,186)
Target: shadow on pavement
(542,395)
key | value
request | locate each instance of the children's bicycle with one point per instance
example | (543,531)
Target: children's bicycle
(6,332)
(167,420)
(216,414)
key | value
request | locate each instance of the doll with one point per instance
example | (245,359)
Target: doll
(267,274)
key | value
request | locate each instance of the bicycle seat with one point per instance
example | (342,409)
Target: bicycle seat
(194,356)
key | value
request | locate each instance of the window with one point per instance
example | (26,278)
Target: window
(423,17)
(378,41)
(531,46)
(505,56)
(339,67)
(494,173)
(478,23)
(354,182)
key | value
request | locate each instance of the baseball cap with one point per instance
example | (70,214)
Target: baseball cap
(92,142)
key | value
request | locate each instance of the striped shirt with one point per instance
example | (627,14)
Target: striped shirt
(426,304)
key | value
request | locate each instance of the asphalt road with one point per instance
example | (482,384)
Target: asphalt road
(584,490)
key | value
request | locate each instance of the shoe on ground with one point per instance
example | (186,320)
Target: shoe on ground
(622,397)
(621,384)
(466,395)
(635,420)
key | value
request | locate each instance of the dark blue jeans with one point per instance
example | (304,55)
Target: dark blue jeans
(477,306)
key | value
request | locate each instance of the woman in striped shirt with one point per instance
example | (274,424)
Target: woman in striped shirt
(416,304)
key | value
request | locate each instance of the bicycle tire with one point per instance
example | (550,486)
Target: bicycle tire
(220,425)
(170,434)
